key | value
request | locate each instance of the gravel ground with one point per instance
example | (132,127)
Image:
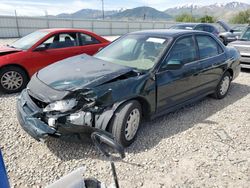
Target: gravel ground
(206,144)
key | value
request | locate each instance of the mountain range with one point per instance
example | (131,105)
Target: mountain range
(220,11)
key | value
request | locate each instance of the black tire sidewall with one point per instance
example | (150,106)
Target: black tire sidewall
(118,123)
(218,93)
(16,69)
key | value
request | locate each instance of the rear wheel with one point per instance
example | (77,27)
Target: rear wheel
(12,79)
(126,122)
(223,86)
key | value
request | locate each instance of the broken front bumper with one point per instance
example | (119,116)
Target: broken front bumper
(30,117)
(27,112)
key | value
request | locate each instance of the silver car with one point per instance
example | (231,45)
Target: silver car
(228,34)
(243,45)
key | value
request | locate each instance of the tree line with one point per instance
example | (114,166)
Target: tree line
(242,17)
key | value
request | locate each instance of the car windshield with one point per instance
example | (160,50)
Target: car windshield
(246,34)
(137,51)
(239,28)
(29,40)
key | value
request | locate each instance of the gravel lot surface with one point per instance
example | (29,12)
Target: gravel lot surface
(206,144)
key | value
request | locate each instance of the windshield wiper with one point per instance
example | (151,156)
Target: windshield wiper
(10,46)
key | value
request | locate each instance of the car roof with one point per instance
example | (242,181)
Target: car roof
(64,30)
(167,32)
(193,24)
(187,24)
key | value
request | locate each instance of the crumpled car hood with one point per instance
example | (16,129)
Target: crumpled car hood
(224,25)
(80,72)
(4,50)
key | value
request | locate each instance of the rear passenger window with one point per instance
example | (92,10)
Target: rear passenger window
(200,28)
(208,47)
(87,39)
(209,29)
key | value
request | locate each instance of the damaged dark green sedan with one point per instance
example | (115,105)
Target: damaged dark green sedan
(142,75)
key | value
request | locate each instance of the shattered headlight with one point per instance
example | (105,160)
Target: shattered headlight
(62,106)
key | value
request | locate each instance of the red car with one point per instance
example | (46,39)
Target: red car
(20,60)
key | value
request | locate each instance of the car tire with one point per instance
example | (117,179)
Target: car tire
(12,79)
(223,87)
(126,122)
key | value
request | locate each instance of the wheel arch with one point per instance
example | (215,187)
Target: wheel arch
(145,107)
(231,72)
(16,65)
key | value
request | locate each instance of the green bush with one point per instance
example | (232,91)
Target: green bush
(190,18)
(185,18)
(207,19)
(242,17)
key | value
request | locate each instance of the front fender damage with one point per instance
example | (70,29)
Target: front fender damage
(94,110)
(102,120)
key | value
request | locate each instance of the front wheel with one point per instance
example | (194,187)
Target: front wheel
(12,79)
(223,87)
(126,122)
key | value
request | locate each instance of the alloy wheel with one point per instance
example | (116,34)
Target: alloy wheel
(11,80)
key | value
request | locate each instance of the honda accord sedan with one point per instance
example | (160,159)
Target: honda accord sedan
(20,60)
(142,75)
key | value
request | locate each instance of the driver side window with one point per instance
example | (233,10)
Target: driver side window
(183,52)
(62,40)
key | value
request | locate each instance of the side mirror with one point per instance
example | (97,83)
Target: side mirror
(41,47)
(107,145)
(173,65)
(232,30)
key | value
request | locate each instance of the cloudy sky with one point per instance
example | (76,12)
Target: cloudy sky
(53,7)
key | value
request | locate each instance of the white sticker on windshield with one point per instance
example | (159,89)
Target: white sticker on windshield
(156,40)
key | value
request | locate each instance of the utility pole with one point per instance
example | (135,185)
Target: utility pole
(102,9)
(47,17)
(17,25)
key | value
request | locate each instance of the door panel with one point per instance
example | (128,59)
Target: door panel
(212,70)
(176,84)
(212,62)
(44,58)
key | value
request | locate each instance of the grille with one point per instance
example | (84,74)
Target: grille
(39,103)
